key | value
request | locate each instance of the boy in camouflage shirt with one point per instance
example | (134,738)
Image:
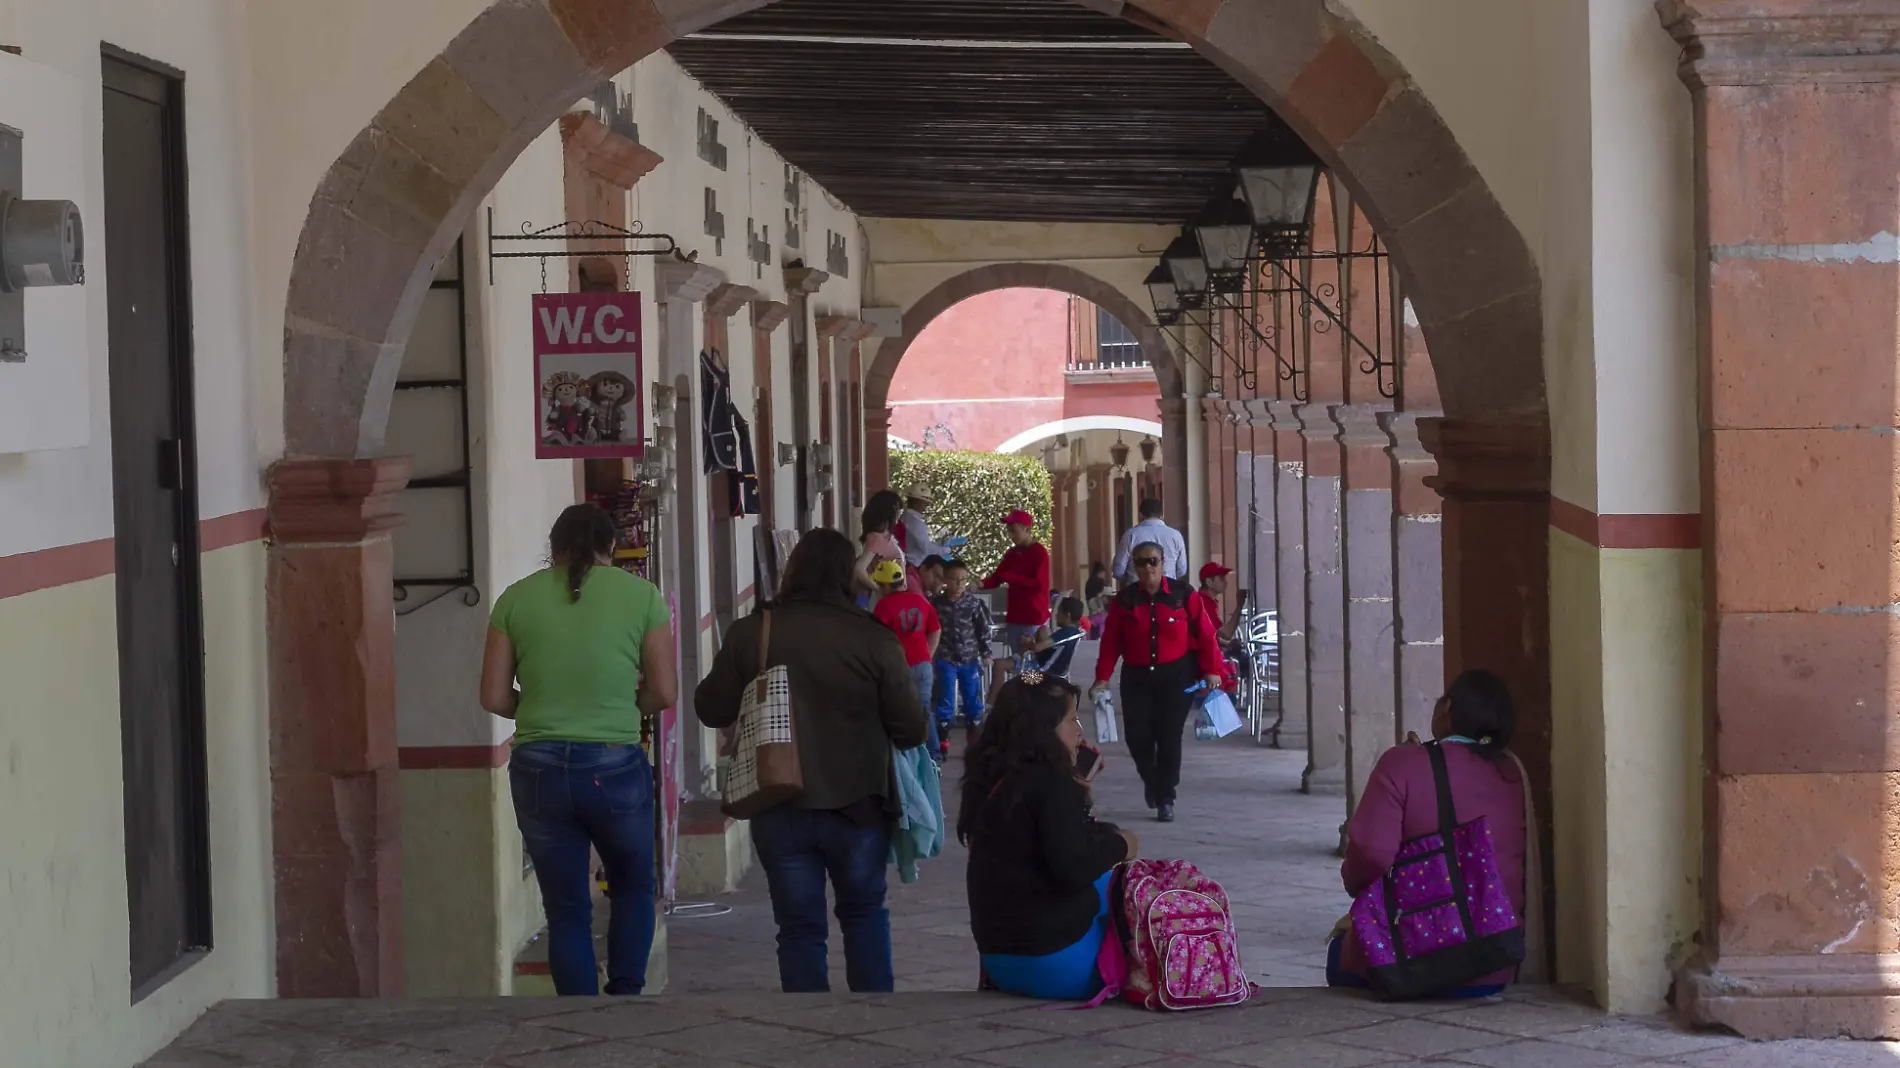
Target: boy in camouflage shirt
(963,651)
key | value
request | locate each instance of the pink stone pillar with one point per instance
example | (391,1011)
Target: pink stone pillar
(1325,581)
(1418,588)
(1289,492)
(1366,541)
(1798,154)
(335,825)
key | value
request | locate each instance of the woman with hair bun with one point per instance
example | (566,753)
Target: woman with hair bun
(577,653)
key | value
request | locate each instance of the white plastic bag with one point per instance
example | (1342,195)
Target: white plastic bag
(1106,729)
(1218,715)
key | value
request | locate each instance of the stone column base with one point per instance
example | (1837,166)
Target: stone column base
(715,851)
(1815,996)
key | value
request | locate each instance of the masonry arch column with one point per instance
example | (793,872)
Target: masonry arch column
(403,190)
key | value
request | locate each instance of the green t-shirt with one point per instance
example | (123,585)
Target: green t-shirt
(578,662)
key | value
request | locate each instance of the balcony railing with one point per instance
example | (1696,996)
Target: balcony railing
(1111,361)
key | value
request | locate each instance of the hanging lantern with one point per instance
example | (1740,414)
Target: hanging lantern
(1148,450)
(1279,201)
(1225,230)
(1161,293)
(1118,452)
(1187,268)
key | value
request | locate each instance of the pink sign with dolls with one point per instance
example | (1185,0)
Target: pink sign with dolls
(588,374)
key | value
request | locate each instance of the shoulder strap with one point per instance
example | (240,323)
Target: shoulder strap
(1447,826)
(765,640)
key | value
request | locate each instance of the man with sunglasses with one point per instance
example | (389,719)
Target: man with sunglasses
(1161,628)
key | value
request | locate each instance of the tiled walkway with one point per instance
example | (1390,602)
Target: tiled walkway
(1241,819)
(1281,1029)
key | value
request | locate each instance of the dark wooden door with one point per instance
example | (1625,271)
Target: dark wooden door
(161,672)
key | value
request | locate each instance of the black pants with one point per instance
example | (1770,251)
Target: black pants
(1155,704)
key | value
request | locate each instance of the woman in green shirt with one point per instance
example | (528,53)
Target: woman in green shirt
(590,649)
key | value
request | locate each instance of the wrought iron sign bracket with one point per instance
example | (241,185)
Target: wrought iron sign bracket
(603,239)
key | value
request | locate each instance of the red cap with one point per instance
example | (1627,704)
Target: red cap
(1212,568)
(1019,518)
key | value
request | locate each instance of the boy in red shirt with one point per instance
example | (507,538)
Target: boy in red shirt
(1025,570)
(915,622)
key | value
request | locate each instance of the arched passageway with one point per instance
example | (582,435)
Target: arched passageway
(403,190)
(1062,278)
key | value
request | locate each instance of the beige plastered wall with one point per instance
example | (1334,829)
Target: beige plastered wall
(469,905)
(65,996)
(1573,113)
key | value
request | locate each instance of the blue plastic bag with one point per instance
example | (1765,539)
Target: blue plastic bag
(1216,716)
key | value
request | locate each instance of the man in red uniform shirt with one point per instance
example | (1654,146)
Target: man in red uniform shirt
(1160,628)
(1025,570)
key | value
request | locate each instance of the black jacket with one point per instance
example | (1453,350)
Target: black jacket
(852,696)
(1035,854)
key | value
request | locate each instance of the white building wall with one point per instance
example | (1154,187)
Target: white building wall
(66,997)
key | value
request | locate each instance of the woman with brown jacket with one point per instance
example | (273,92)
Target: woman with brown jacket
(852,702)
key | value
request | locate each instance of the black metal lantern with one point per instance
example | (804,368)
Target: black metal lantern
(1225,231)
(1118,452)
(1160,285)
(1278,198)
(1147,450)
(1189,271)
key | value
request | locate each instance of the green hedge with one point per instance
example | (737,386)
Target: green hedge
(973,492)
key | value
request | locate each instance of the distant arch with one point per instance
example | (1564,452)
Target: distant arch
(1077,425)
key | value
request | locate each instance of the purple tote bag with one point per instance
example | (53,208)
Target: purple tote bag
(1440,919)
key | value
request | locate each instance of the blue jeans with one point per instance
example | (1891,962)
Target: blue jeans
(924,677)
(952,679)
(1068,974)
(570,796)
(798,848)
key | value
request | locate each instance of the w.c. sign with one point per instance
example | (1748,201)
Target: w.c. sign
(589,376)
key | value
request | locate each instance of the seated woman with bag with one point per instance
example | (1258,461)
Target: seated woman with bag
(1040,864)
(1471,726)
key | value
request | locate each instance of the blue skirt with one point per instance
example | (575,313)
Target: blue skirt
(1068,974)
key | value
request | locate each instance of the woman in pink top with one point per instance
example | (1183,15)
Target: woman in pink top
(1473,723)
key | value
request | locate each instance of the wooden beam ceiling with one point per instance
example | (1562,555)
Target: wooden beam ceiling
(1018,109)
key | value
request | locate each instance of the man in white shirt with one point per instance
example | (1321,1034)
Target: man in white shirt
(916,539)
(1152,529)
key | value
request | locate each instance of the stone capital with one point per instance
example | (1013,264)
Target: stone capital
(1480,461)
(1760,42)
(683,282)
(1172,408)
(768,314)
(726,300)
(804,281)
(1358,426)
(877,421)
(834,325)
(1283,416)
(1315,421)
(1401,431)
(1258,412)
(331,502)
(611,157)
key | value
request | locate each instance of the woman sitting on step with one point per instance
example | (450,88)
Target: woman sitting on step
(1472,723)
(1039,862)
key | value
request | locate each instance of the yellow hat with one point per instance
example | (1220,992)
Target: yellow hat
(888,573)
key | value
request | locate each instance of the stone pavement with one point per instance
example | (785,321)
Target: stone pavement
(1283,1028)
(1241,819)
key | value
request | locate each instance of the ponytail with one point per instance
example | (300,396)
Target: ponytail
(1482,710)
(582,534)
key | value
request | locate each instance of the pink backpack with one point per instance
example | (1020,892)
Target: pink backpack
(1174,947)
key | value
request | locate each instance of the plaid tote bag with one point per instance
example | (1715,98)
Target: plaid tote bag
(765,770)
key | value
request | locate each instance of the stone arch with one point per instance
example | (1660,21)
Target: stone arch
(1061,278)
(1077,424)
(400,193)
